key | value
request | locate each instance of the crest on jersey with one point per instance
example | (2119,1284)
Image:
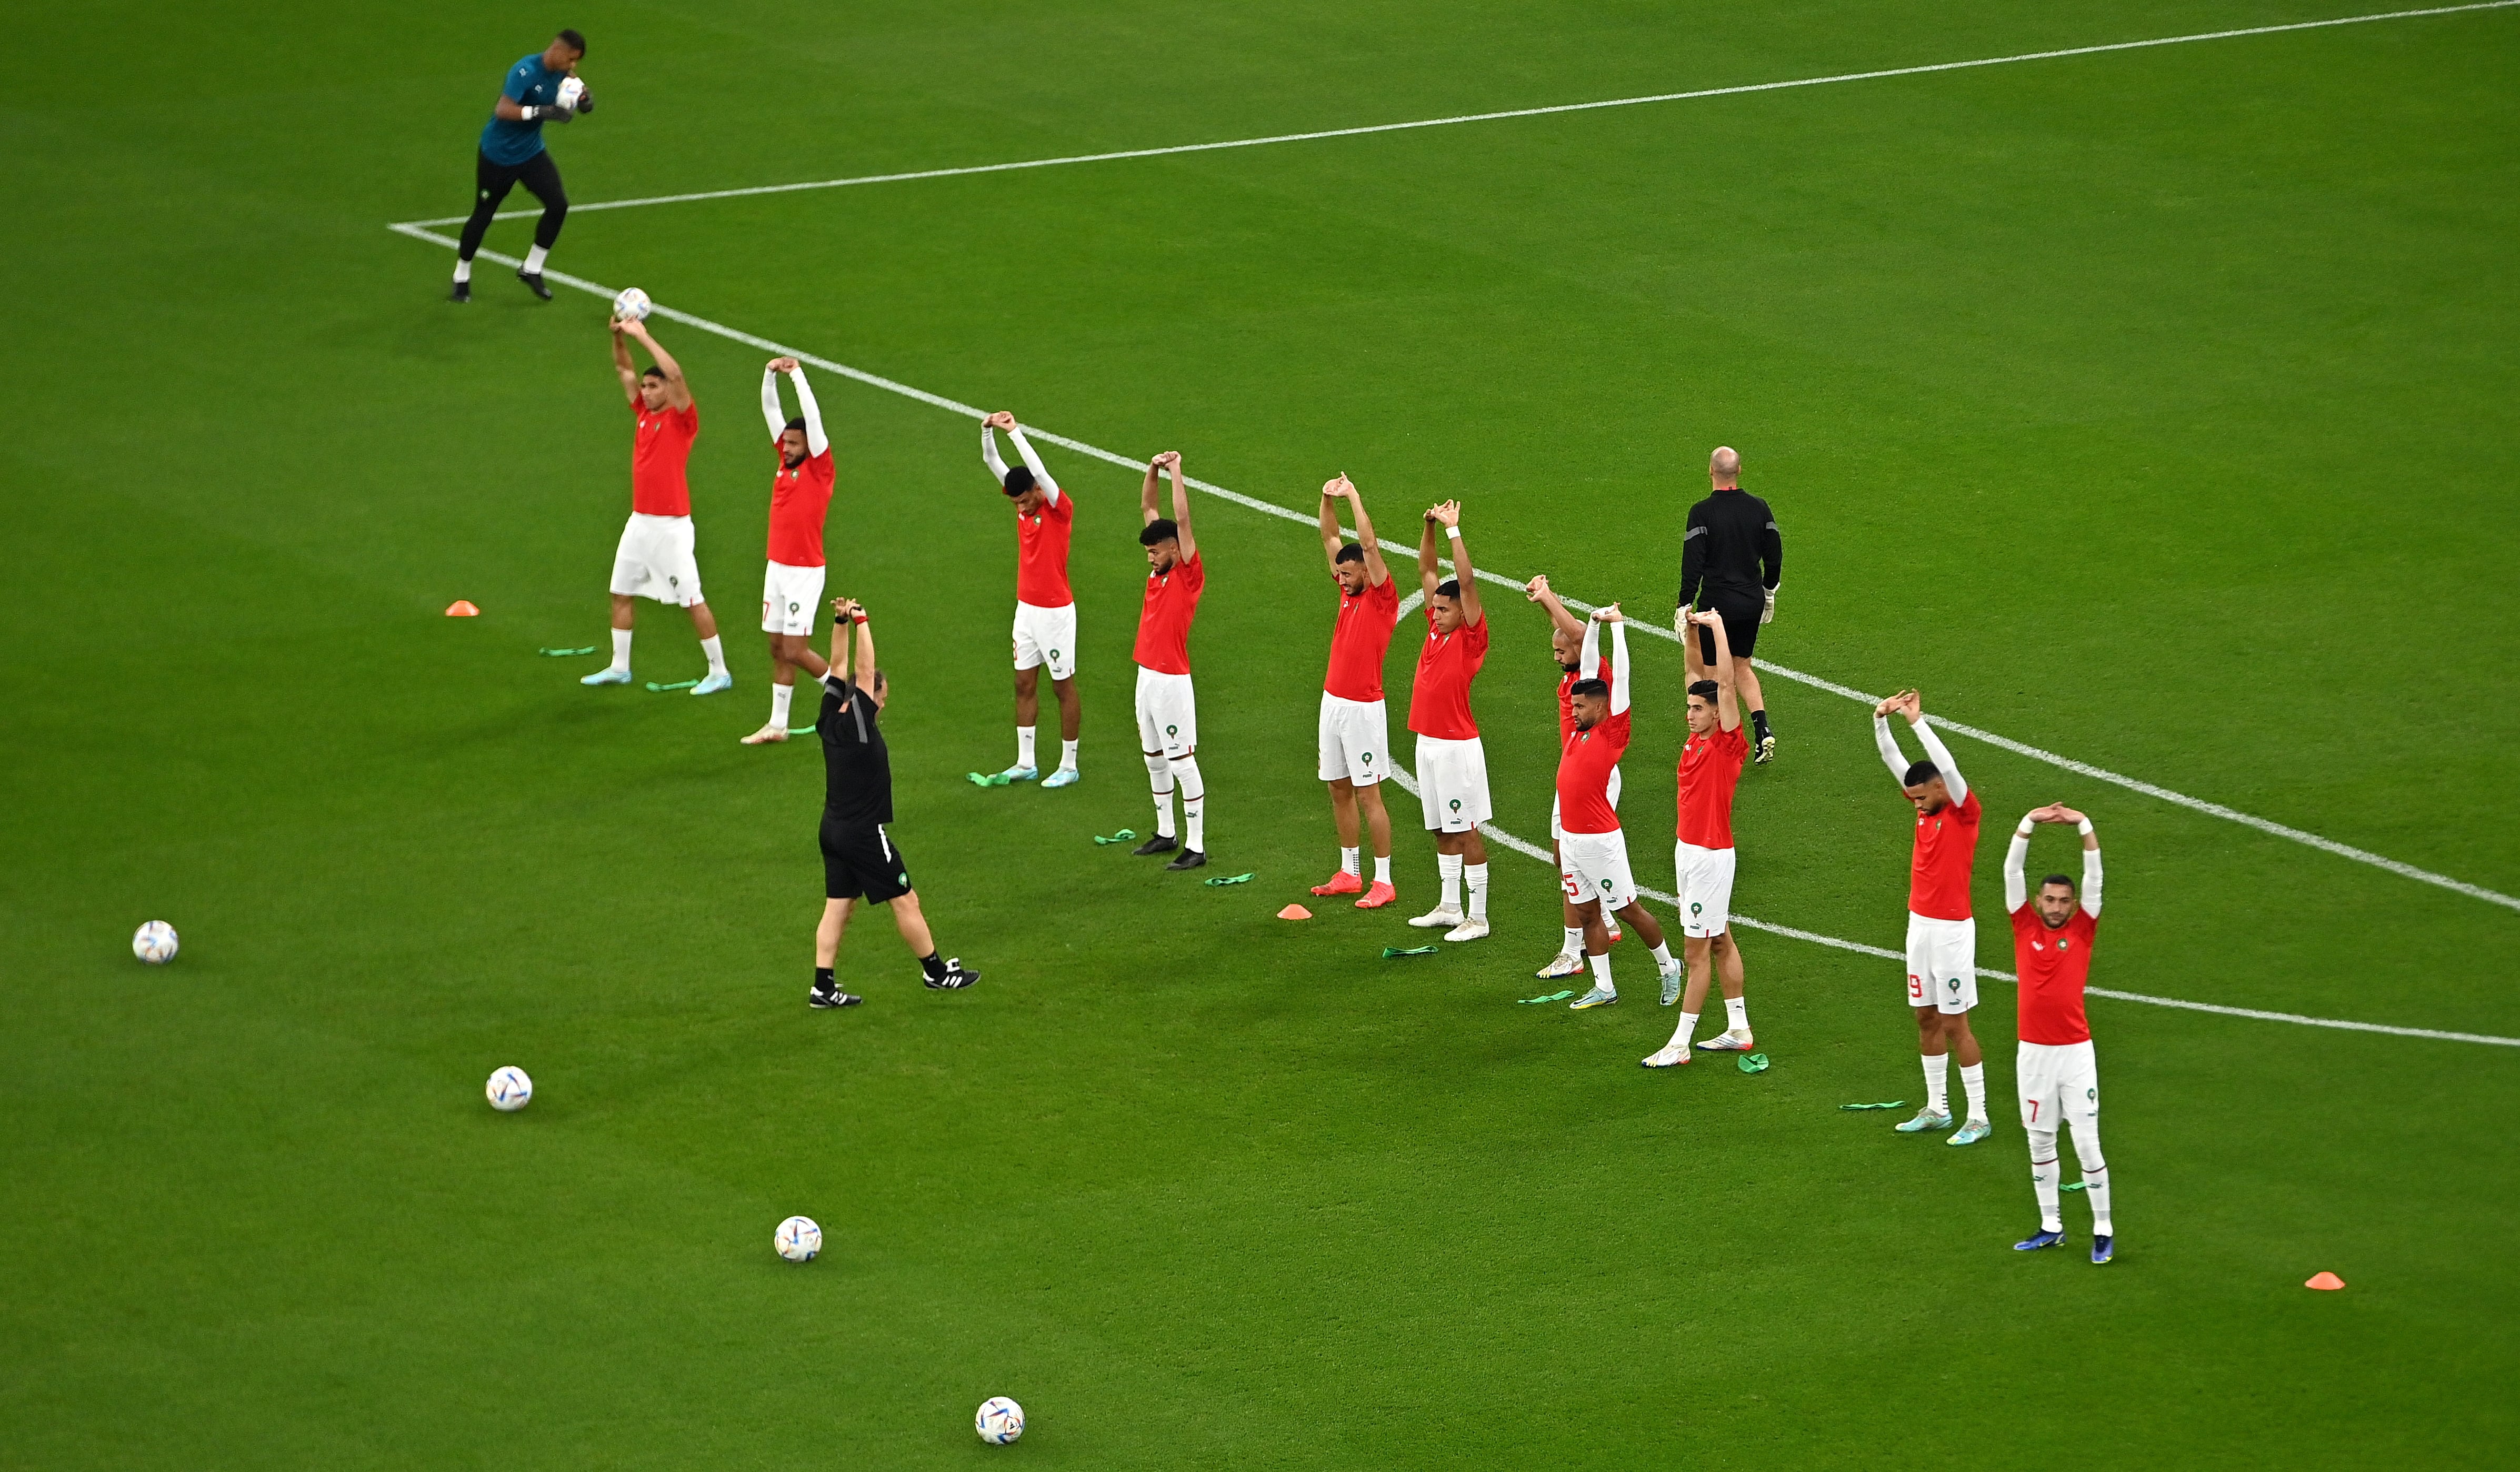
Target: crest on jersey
(1954,983)
(1369,759)
(1054,654)
(1172,730)
(2091,1094)
(791,607)
(2061,944)
(1457,804)
(1695,909)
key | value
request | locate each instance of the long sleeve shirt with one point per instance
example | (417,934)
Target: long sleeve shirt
(1732,545)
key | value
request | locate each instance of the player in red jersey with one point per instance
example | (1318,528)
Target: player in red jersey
(1355,732)
(1566,646)
(1942,936)
(1710,769)
(655,558)
(1594,849)
(1452,764)
(2059,1080)
(800,497)
(1167,705)
(1044,631)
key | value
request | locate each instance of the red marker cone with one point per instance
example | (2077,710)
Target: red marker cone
(2326,1281)
(461,607)
(1294,912)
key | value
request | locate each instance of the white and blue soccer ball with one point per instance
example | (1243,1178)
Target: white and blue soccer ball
(631,306)
(153,943)
(1000,1421)
(799,1239)
(571,91)
(510,1089)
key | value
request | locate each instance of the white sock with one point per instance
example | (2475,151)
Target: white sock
(1193,790)
(1938,1088)
(715,648)
(1024,746)
(1067,755)
(1382,868)
(2043,1180)
(2096,1176)
(1574,939)
(463,268)
(1687,1029)
(1449,865)
(1352,861)
(780,696)
(1160,776)
(1973,1081)
(621,649)
(1476,877)
(1736,1013)
(1662,956)
(534,260)
(1601,972)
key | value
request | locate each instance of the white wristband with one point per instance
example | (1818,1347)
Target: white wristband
(2083,827)
(2026,829)
(1454,532)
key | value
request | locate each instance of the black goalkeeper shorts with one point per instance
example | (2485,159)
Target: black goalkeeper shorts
(862,863)
(1740,615)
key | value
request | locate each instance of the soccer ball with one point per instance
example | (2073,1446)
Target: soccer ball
(153,943)
(631,306)
(510,1089)
(570,90)
(799,1239)
(1000,1420)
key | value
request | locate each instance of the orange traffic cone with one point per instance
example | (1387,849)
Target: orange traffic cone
(1294,912)
(2324,1280)
(461,607)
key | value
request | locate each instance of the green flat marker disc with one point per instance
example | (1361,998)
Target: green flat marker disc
(1121,836)
(563,653)
(1230,879)
(1390,951)
(1553,996)
(2071,1186)
(655,688)
(1893,1104)
(1754,1063)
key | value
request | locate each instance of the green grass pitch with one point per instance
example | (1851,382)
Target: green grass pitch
(2152,407)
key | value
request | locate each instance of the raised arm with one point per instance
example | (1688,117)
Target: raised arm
(677,393)
(1539,591)
(989,447)
(2016,886)
(2017,883)
(1039,474)
(1887,743)
(816,442)
(850,618)
(1728,704)
(1937,753)
(862,674)
(771,413)
(1450,514)
(1588,665)
(1180,504)
(1376,571)
(625,365)
(1329,522)
(1430,570)
(2091,859)
(1621,670)
(842,610)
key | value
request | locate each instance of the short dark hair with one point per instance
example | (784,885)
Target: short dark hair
(1450,588)
(1018,480)
(655,372)
(1160,529)
(572,40)
(1590,687)
(1705,690)
(1921,772)
(795,423)
(2056,879)
(1349,552)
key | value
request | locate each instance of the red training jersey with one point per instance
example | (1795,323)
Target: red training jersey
(2056,965)
(1439,703)
(1710,768)
(1163,623)
(1584,776)
(1358,644)
(1041,555)
(657,459)
(1946,851)
(1567,699)
(799,498)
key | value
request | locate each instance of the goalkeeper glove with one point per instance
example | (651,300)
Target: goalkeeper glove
(547,115)
(1767,615)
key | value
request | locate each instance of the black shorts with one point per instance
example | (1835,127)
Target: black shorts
(862,861)
(1740,615)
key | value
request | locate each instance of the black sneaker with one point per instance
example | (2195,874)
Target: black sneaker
(1156,845)
(955,978)
(836,997)
(534,284)
(1190,858)
(463,291)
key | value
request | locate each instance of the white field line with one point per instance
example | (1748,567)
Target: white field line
(1443,122)
(1520,846)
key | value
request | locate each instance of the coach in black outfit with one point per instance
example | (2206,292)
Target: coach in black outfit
(1730,562)
(859,859)
(542,87)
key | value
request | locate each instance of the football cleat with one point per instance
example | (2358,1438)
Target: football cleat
(1671,1055)
(1567,963)
(1341,883)
(534,284)
(1019,774)
(2103,1248)
(606,677)
(835,998)
(955,978)
(2039,1239)
(1927,1118)
(1970,1133)
(1375,897)
(769,733)
(1065,776)
(1766,752)
(1187,858)
(1441,917)
(718,680)
(1598,996)
(1726,1042)
(1162,842)
(1671,986)
(1475,927)
(463,291)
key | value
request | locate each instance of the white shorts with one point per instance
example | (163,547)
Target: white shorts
(1045,637)
(2059,1084)
(789,596)
(655,560)
(1168,714)
(1941,963)
(1453,784)
(1355,739)
(1595,866)
(1555,832)
(1705,888)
